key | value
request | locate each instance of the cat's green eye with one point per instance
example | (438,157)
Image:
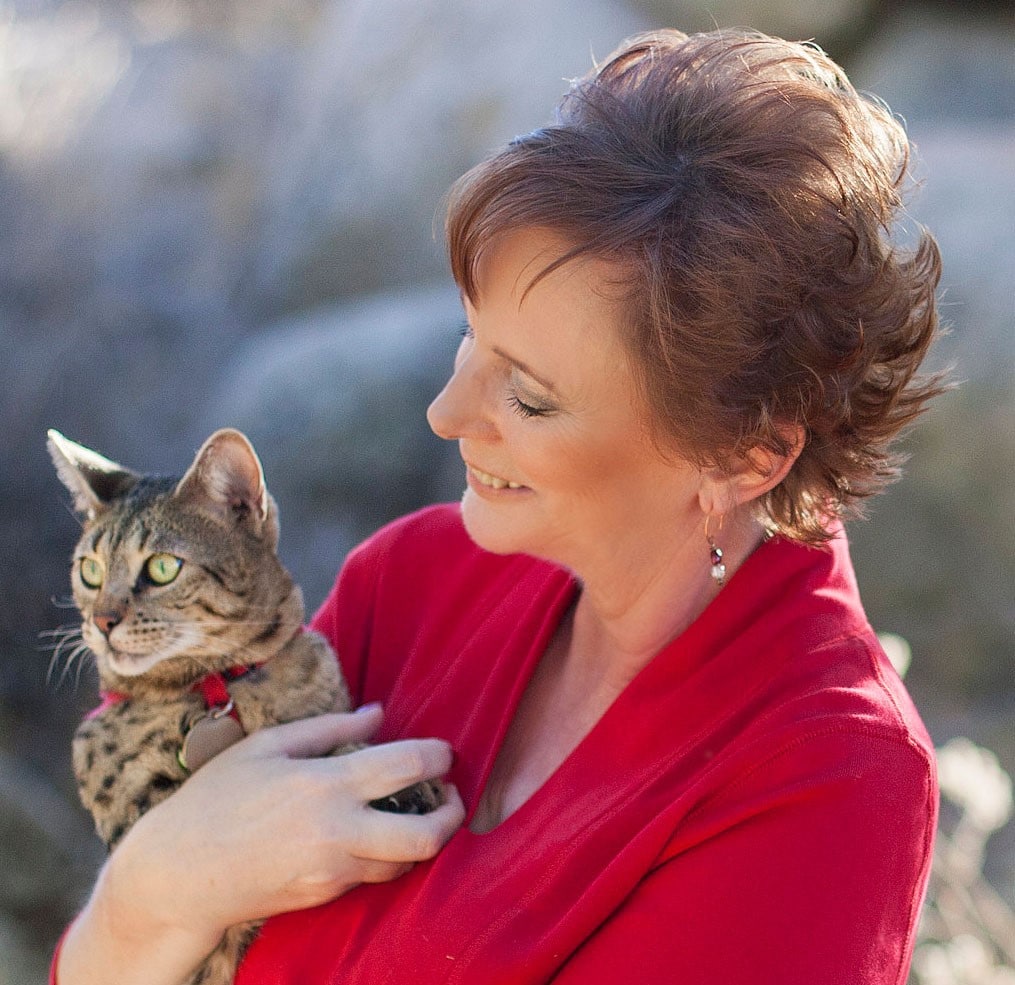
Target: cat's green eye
(92,572)
(163,568)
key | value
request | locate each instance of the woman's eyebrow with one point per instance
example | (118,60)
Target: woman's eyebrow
(527,370)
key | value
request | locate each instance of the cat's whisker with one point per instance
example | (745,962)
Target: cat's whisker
(49,669)
(68,629)
(68,663)
(77,655)
(58,634)
(58,639)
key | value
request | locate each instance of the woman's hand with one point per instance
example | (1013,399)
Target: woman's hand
(269,825)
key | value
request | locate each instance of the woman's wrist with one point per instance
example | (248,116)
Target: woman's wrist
(122,936)
(143,891)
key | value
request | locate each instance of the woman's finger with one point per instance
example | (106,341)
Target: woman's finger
(319,735)
(386,837)
(373,871)
(378,771)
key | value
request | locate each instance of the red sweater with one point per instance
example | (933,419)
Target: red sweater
(758,806)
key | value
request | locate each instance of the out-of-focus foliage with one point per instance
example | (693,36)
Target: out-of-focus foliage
(966,934)
(967,929)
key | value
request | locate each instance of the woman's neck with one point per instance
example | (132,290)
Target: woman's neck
(626,613)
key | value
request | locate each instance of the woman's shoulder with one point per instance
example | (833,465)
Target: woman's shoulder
(430,551)
(437,524)
(432,537)
(811,676)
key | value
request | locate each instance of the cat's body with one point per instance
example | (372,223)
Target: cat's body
(127,755)
(196,628)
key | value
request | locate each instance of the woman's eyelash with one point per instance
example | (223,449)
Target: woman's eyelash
(465,330)
(527,410)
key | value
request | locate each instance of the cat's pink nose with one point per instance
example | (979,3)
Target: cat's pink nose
(107,621)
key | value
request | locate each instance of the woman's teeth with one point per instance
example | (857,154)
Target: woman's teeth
(493,481)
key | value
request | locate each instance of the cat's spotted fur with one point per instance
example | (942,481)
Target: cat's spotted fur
(176,579)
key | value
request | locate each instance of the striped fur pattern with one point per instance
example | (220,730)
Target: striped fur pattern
(174,579)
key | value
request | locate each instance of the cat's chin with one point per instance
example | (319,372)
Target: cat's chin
(130,665)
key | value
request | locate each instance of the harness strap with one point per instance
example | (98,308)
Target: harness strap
(213,688)
(215,691)
(107,700)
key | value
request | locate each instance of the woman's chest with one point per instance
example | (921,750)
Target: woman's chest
(505,907)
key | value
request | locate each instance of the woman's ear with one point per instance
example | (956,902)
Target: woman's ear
(748,479)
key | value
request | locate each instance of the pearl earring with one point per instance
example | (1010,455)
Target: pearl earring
(715,555)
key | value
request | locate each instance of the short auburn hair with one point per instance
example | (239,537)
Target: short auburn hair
(747,193)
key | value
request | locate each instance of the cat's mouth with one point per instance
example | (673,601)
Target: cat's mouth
(130,664)
(127,663)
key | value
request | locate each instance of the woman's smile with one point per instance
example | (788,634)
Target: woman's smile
(487,481)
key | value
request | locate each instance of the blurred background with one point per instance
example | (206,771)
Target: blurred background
(221,212)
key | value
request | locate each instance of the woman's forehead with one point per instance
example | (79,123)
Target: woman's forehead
(518,261)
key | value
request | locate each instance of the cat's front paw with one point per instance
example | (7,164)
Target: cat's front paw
(420,798)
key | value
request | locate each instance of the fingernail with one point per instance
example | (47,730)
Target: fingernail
(367,708)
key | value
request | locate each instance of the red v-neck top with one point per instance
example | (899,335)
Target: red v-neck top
(757,806)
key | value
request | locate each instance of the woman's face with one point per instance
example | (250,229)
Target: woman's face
(553,430)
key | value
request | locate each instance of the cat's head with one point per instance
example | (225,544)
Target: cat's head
(176,577)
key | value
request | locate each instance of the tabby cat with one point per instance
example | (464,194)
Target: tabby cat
(197,633)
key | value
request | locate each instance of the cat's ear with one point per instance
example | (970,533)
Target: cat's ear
(93,481)
(226,476)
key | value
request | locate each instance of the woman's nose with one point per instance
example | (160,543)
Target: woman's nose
(437,415)
(458,411)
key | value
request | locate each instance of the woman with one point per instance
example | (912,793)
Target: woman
(682,755)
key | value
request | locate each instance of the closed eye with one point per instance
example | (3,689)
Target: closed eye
(527,410)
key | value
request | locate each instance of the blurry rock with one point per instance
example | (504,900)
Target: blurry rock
(953,81)
(971,217)
(932,67)
(265,156)
(335,404)
(61,63)
(21,962)
(949,523)
(135,153)
(48,857)
(396,100)
(792,19)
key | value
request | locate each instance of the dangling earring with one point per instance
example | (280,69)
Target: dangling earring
(715,555)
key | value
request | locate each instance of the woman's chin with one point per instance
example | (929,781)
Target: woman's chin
(491,526)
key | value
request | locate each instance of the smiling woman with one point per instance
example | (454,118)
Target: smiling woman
(681,751)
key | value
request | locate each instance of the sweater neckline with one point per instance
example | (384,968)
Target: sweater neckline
(777,566)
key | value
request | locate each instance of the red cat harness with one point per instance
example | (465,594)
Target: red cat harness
(209,735)
(212,687)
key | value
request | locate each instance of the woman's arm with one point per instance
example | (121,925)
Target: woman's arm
(265,827)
